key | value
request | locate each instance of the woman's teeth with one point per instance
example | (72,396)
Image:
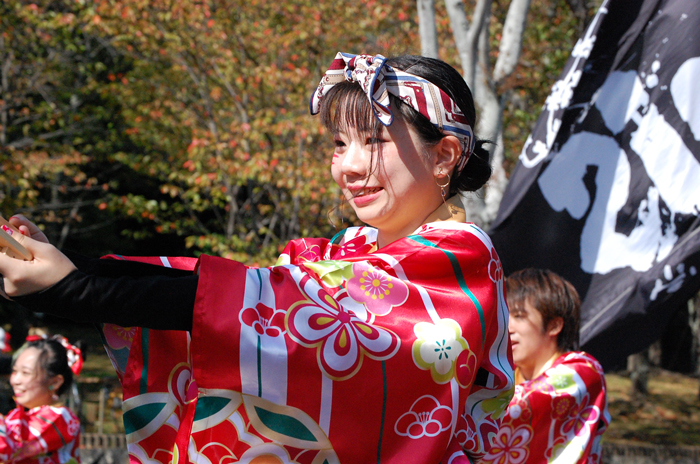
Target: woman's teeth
(368,191)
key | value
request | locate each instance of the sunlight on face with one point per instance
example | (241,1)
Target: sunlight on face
(530,342)
(29,382)
(399,191)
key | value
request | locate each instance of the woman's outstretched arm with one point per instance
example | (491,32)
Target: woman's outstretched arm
(119,292)
(162,302)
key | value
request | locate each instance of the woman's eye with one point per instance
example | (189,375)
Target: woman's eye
(374,141)
(339,143)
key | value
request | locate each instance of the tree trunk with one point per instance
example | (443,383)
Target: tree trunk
(427,28)
(472,42)
(6,66)
(511,40)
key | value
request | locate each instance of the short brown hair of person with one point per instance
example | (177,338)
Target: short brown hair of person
(553,296)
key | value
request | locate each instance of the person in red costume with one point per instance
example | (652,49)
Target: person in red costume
(559,411)
(41,430)
(387,343)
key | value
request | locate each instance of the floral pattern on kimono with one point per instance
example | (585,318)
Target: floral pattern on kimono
(41,435)
(558,417)
(339,353)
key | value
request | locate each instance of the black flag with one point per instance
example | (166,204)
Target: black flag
(607,188)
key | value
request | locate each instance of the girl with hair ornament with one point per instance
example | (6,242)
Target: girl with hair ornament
(40,430)
(387,343)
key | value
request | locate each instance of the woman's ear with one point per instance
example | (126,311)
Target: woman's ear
(447,153)
(55,382)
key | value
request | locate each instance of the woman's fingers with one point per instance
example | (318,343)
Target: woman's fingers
(27,227)
(47,267)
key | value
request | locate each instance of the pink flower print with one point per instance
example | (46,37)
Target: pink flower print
(510,446)
(118,337)
(376,289)
(426,418)
(562,406)
(541,384)
(495,267)
(265,320)
(341,338)
(587,415)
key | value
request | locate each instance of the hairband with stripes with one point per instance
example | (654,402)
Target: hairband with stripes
(378,79)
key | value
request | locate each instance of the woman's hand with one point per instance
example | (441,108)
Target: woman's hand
(27,227)
(47,267)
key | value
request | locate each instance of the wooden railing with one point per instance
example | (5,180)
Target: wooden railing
(102,441)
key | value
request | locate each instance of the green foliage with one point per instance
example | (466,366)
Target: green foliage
(55,128)
(217,104)
(123,122)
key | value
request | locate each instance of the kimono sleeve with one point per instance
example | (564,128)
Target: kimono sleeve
(589,417)
(493,384)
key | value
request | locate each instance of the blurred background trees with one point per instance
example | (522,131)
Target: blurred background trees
(181,127)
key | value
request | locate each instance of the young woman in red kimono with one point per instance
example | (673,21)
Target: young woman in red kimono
(559,411)
(40,430)
(387,343)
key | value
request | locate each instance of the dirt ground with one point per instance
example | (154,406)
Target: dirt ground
(669,415)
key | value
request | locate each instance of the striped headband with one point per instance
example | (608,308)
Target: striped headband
(379,79)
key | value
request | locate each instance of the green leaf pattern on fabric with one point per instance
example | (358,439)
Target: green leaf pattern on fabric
(332,273)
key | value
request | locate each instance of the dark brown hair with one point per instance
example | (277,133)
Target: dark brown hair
(346,107)
(52,360)
(551,295)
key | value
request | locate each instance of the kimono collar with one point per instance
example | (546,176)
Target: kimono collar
(451,210)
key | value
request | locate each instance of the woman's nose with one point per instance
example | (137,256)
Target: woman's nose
(356,160)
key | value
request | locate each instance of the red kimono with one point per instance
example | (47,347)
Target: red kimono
(339,353)
(558,417)
(42,435)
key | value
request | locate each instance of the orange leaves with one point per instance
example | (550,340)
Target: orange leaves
(217,97)
(215,93)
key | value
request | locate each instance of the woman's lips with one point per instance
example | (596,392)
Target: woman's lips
(365,195)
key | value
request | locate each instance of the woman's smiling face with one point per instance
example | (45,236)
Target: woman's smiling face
(389,180)
(29,382)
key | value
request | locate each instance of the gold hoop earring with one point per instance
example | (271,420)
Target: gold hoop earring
(443,186)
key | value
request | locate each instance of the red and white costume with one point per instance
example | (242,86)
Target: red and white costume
(556,418)
(41,435)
